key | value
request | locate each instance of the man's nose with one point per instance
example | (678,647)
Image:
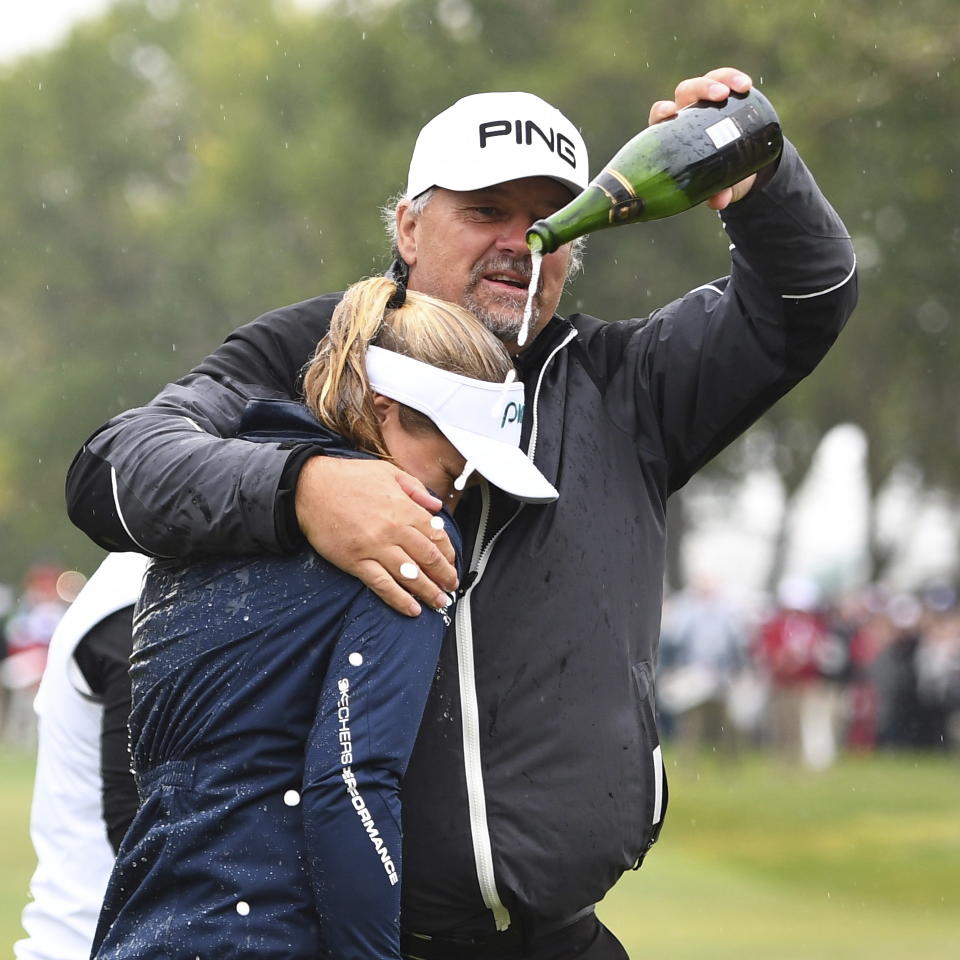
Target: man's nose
(513,236)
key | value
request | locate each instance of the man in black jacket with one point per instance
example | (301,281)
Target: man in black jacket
(537,777)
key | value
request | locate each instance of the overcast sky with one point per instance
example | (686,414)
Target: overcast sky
(39,24)
(29,25)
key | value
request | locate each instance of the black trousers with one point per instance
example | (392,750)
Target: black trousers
(584,939)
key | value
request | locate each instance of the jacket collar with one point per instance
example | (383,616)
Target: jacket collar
(532,359)
(287,421)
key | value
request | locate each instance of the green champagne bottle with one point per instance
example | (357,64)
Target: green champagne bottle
(670,167)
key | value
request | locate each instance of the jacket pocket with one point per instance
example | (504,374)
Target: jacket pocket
(653,775)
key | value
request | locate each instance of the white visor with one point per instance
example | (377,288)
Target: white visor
(482,420)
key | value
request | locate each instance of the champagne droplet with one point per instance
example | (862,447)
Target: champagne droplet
(496,411)
(461,481)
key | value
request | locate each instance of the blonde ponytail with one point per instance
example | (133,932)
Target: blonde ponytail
(433,331)
(335,385)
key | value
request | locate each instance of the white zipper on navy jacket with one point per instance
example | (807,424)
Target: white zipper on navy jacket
(469,709)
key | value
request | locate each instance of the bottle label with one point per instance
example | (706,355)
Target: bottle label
(625,205)
(627,211)
(723,132)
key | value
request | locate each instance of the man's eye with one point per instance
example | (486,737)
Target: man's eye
(484,211)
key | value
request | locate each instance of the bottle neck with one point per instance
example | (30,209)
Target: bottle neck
(588,211)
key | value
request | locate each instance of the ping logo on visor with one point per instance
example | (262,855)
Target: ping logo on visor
(512,413)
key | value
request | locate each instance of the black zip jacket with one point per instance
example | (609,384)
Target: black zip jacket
(537,777)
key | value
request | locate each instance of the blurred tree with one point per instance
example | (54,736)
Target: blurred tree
(176,168)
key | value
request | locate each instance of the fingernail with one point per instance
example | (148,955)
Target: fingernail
(440,601)
(742,80)
(718,91)
(414,609)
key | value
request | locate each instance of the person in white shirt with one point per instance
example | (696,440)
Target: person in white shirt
(84,794)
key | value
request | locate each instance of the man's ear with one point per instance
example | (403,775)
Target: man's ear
(385,408)
(406,233)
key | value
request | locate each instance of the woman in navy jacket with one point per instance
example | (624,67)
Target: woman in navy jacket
(275,698)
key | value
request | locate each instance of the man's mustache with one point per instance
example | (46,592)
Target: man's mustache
(519,266)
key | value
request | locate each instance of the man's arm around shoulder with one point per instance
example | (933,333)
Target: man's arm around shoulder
(168,479)
(171,479)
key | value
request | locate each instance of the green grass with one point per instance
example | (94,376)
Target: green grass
(16,853)
(755,861)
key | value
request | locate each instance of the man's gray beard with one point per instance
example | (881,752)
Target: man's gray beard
(504,321)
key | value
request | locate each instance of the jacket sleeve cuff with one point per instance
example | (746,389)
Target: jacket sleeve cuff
(289,536)
(787,232)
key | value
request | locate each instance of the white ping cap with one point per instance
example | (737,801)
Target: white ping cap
(481,419)
(489,138)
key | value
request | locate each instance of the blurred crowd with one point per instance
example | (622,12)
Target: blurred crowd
(28,617)
(807,676)
(800,674)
